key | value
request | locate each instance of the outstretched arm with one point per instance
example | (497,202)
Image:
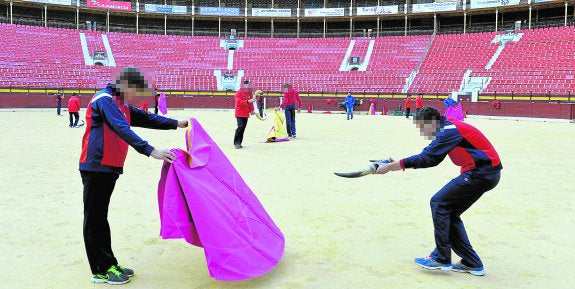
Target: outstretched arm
(431,156)
(140,118)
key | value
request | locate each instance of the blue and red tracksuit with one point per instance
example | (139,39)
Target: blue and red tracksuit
(108,134)
(480,166)
(104,149)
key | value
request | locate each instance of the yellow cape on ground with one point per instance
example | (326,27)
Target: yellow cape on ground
(278,132)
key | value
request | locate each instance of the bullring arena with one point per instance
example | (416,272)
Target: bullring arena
(515,85)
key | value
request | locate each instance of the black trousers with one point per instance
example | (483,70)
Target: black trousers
(239,136)
(407,110)
(59,107)
(76,117)
(98,188)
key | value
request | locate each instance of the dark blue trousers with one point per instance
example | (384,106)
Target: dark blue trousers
(290,119)
(447,205)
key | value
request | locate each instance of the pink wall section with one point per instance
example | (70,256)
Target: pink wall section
(509,108)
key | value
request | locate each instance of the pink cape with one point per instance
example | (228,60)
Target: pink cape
(204,200)
(455,112)
(162,104)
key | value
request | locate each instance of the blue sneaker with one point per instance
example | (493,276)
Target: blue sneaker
(477,271)
(430,264)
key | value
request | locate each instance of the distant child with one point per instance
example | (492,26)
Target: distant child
(289,105)
(349,103)
(156,100)
(407,106)
(418,103)
(260,102)
(59,96)
(73,110)
(243,109)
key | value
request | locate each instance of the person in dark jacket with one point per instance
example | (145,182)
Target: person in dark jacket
(156,100)
(260,102)
(480,166)
(109,116)
(59,97)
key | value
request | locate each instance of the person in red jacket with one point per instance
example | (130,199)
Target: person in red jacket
(244,107)
(288,104)
(418,103)
(73,110)
(407,106)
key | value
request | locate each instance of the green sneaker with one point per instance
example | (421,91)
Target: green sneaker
(112,276)
(126,271)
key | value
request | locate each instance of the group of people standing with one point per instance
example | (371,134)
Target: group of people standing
(73,107)
(418,105)
(243,104)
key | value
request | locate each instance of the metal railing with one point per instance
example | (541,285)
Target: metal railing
(547,97)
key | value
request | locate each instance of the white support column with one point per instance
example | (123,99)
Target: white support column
(77,19)
(405,13)
(45,16)
(165,24)
(496,19)
(272,28)
(350,27)
(464,22)
(193,20)
(108,21)
(246,19)
(220,26)
(350,18)
(324,20)
(297,15)
(137,17)
(434,23)
(137,23)
(530,16)
(377,33)
(405,33)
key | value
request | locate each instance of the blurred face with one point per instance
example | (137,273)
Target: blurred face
(428,128)
(247,87)
(131,94)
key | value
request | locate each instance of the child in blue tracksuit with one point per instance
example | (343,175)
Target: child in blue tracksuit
(109,118)
(480,166)
(349,103)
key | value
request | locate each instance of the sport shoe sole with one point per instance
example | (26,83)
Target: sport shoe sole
(440,268)
(100,280)
(472,272)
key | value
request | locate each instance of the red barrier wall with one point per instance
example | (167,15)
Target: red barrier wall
(508,108)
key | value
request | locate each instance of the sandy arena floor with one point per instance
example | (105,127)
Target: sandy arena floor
(340,233)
